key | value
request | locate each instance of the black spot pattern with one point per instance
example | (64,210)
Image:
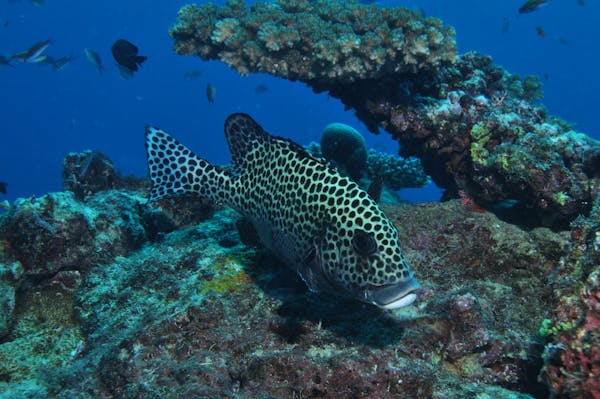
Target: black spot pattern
(293,199)
(183,173)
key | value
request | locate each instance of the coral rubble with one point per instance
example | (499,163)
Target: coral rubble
(474,126)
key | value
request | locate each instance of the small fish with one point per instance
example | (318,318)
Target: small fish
(57,64)
(126,55)
(581,2)
(562,40)
(211,92)
(61,63)
(35,54)
(321,224)
(531,5)
(505,25)
(94,59)
(3,187)
(5,61)
(194,74)
(260,89)
(38,3)
(540,31)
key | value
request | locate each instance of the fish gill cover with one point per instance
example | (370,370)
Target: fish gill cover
(474,126)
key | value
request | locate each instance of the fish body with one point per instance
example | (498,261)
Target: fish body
(540,31)
(3,187)
(5,61)
(211,92)
(35,54)
(261,88)
(531,5)
(193,74)
(126,55)
(61,63)
(320,224)
(94,59)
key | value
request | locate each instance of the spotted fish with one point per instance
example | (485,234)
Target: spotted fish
(320,224)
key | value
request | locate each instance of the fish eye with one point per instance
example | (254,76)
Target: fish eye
(364,243)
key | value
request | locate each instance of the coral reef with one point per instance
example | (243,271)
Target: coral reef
(347,41)
(346,146)
(572,355)
(87,173)
(474,126)
(397,172)
(192,312)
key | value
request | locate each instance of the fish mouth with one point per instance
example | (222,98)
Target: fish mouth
(393,296)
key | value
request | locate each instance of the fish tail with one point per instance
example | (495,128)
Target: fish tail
(174,169)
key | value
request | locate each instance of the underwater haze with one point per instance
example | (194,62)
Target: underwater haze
(280,277)
(48,113)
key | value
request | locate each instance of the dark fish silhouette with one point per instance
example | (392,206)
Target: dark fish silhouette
(126,55)
(3,187)
(34,55)
(5,61)
(261,88)
(194,74)
(531,5)
(540,31)
(505,25)
(211,92)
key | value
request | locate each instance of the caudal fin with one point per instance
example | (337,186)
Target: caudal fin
(174,169)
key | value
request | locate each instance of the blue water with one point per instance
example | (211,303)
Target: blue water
(46,114)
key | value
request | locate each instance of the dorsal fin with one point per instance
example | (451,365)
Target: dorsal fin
(375,188)
(243,135)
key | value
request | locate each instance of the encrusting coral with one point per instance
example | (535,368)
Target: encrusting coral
(474,126)
(346,146)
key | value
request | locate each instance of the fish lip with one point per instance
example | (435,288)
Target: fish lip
(393,296)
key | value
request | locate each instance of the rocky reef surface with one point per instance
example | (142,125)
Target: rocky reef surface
(108,296)
(476,128)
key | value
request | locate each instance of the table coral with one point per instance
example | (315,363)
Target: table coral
(347,41)
(474,126)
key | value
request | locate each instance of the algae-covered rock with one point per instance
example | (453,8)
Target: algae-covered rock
(198,314)
(195,314)
(10,276)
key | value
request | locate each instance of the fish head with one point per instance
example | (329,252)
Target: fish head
(360,257)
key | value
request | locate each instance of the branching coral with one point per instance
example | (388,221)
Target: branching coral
(397,172)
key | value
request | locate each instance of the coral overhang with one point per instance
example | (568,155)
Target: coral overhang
(474,126)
